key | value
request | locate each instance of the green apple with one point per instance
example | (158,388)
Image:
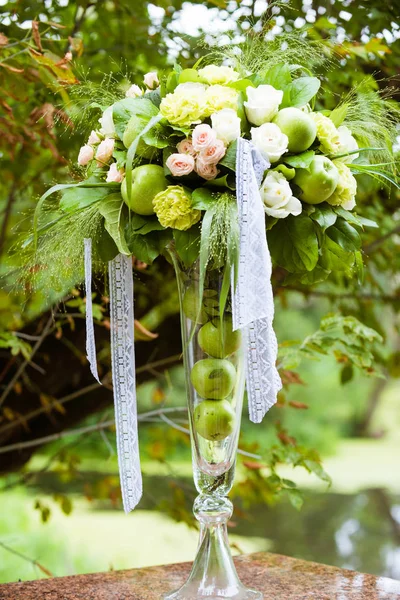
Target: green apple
(134,127)
(213,378)
(219,340)
(191,306)
(147,182)
(318,182)
(298,126)
(214,420)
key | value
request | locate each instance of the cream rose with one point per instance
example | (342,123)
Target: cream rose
(207,171)
(270,141)
(93,138)
(191,87)
(104,151)
(347,144)
(115,175)
(180,164)
(226,125)
(213,153)
(134,91)
(202,137)
(277,196)
(86,154)
(262,103)
(151,80)
(186,147)
(107,123)
(212,74)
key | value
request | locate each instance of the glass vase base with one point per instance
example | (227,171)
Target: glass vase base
(188,593)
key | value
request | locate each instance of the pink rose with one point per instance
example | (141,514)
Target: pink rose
(202,137)
(213,153)
(93,138)
(114,174)
(85,155)
(104,151)
(180,164)
(151,80)
(186,147)
(207,171)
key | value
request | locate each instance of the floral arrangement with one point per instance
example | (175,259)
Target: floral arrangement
(161,164)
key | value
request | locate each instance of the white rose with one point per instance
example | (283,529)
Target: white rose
(186,147)
(277,196)
(115,175)
(134,91)
(226,125)
(93,138)
(347,144)
(213,153)
(207,171)
(104,151)
(180,164)
(213,74)
(202,137)
(85,155)
(262,103)
(151,80)
(270,141)
(107,123)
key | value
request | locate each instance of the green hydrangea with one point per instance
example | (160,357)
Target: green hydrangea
(173,208)
(346,189)
(327,133)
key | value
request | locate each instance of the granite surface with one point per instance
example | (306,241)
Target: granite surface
(278,577)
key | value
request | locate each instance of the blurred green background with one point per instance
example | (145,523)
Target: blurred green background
(60,509)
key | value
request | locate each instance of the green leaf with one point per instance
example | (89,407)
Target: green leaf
(241,84)
(229,160)
(333,257)
(278,76)
(343,234)
(104,247)
(147,247)
(127,108)
(224,181)
(112,209)
(367,222)
(293,243)
(203,198)
(347,215)
(76,198)
(324,215)
(287,172)
(187,244)
(300,161)
(317,275)
(338,115)
(296,498)
(142,225)
(300,91)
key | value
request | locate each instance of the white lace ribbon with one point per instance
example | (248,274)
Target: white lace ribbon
(123,376)
(90,341)
(253,303)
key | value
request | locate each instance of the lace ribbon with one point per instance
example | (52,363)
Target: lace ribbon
(90,342)
(253,303)
(123,376)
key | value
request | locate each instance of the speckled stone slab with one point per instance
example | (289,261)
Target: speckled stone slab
(278,577)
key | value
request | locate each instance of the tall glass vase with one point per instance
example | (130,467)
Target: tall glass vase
(214,367)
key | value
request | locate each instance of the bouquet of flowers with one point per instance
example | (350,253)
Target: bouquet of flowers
(161,166)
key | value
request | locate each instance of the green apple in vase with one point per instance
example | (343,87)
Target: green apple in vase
(147,182)
(217,338)
(199,311)
(214,420)
(318,182)
(213,378)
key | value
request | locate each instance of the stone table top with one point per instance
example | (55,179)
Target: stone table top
(278,577)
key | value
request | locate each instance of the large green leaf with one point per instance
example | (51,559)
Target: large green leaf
(229,160)
(187,244)
(203,198)
(278,76)
(293,243)
(300,161)
(127,108)
(76,198)
(147,247)
(323,214)
(113,209)
(142,225)
(334,258)
(345,235)
(300,91)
